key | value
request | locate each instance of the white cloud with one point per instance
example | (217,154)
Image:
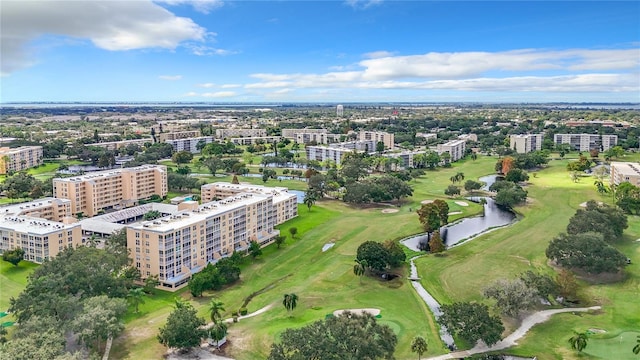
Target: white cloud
(203,6)
(220,94)
(362,4)
(572,70)
(191,94)
(109,25)
(230,86)
(204,50)
(377,54)
(206,85)
(170,77)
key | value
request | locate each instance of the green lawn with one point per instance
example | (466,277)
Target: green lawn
(614,347)
(505,253)
(12,280)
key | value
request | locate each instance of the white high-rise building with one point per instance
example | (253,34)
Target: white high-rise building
(339,110)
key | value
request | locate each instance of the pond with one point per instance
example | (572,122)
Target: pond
(300,194)
(75,169)
(494,216)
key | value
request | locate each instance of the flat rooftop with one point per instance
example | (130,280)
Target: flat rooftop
(33,225)
(627,168)
(203,212)
(279,193)
(15,209)
(108,173)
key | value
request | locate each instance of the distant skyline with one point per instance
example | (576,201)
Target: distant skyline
(319,51)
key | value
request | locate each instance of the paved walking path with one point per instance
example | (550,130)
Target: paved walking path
(255,313)
(511,340)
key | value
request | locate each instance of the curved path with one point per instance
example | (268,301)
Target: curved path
(511,340)
(255,313)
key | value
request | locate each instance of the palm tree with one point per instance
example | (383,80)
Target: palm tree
(215,309)
(290,301)
(419,346)
(309,200)
(636,349)
(136,297)
(359,268)
(579,341)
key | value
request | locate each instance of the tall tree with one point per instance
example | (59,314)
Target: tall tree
(512,297)
(136,297)
(436,245)
(254,249)
(100,319)
(183,329)
(374,253)
(419,346)
(309,200)
(360,268)
(13,256)
(585,251)
(215,310)
(348,336)
(578,341)
(472,322)
(290,302)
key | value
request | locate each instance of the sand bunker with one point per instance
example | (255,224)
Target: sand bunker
(426,201)
(327,246)
(462,203)
(371,311)
(390,211)
(455,213)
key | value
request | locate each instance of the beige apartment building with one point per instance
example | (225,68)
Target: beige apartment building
(285,202)
(526,143)
(46,208)
(111,189)
(625,172)
(177,246)
(20,158)
(37,227)
(455,148)
(292,133)
(378,136)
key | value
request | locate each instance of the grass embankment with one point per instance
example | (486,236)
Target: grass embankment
(554,198)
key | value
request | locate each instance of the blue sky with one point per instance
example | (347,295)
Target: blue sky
(320,51)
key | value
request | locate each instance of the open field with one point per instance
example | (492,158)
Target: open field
(12,280)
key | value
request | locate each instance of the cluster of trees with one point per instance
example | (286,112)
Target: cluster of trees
(358,187)
(377,189)
(433,216)
(508,193)
(525,161)
(348,336)
(81,291)
(214,276)
(379,257)
(213,164)
(472,322)
(181,182)
(627,196)
(583,163)
(151,154)
(218,149)
(22,185)
(586,246)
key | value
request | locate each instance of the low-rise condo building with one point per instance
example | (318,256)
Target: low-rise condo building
(20,158)
(112,189)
